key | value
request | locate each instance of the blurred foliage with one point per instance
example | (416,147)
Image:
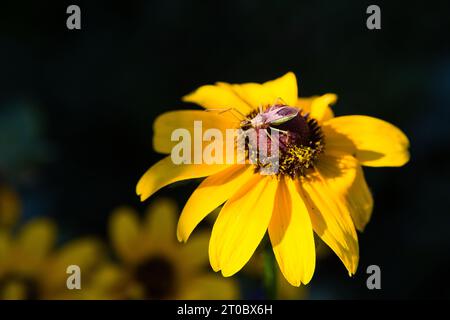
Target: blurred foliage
(21,140)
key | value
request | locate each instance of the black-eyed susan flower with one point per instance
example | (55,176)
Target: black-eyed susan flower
(32,268)
(153,265)
(319,185)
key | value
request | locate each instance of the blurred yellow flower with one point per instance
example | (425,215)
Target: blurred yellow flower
(320,184)
(10,207)
(154,265)
(31,267)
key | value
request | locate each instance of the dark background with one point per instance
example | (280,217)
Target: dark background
(76,109)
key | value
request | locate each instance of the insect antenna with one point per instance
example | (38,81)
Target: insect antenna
(268,134)
(223,110)
(280,100)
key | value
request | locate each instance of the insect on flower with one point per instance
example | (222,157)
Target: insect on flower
(264,125)
(319,188)
(275,115)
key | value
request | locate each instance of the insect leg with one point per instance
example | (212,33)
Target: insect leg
(278,100)
(267,134)
(282,131)
(240,113)
(260,108)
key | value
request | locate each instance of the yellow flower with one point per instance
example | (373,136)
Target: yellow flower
(155,266)
(320,185)
(30,268)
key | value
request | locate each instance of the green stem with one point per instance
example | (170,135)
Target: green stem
(270,274)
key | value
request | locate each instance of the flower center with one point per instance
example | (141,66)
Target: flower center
(300,139)
(157,275)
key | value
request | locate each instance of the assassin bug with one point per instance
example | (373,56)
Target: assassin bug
(273,116)
(264,152)
(277,114)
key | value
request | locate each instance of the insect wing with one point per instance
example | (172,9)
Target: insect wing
(281,115)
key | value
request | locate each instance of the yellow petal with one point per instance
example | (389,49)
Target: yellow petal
(166,172)
(345,176)
(14,290)
(331,221)
(305,103)
(218,98)
(360,201)
(86,253)
(125,232)
(37,238)
(209,287)
(291,234)
(168,122)
(161,220)
(254,94)
(338,169)
(318,107)
(106,283)
(242,224)
(283,89)
(374,142)
(210,194)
